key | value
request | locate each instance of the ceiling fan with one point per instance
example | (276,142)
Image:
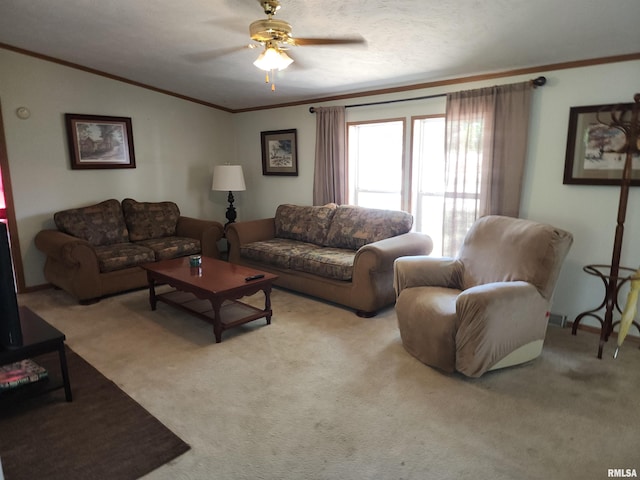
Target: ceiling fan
(276,37)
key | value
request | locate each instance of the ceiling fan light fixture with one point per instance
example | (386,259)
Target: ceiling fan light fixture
(273,59)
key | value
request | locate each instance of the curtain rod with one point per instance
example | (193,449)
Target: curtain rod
(537,82)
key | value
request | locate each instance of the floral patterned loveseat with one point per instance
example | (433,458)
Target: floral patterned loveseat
(96,250)
(343,254)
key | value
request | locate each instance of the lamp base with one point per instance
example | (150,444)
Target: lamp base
(231,211)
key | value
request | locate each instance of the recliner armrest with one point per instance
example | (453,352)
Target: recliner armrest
(423,271)
(494,319)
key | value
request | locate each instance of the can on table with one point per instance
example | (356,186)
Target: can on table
(195,260)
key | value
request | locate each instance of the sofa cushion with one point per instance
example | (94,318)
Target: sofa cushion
(99,224)
(171,247)
(122,255)
(302,223)
(353,227)
(335,263)
(146,220)
(276,251)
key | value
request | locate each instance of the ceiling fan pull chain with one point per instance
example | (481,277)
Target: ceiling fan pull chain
(266,79)
(273,76)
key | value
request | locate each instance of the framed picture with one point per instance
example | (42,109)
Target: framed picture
(279,152)
(596,153)
(99,142)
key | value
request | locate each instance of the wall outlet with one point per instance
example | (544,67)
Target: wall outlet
(558,320)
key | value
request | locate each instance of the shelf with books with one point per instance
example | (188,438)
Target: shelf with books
(17,374)
(39,339)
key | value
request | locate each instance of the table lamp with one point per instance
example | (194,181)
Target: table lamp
(228,178)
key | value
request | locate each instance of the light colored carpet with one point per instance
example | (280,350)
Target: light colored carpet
(324,394)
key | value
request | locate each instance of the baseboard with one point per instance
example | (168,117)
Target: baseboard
(587,328)
(36,288)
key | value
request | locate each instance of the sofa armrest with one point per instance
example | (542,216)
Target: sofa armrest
(71,264)
(422,271)
(207,231)
(373,265)
(493,319)
(64,248)
(241,233)
(387,250)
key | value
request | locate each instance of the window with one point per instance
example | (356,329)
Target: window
(464,179)
(376,157)
(378,177)
(428,179)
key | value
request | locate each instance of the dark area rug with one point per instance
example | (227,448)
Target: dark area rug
(102,434)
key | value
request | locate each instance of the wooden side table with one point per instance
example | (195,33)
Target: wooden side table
(39,338)
(609,303)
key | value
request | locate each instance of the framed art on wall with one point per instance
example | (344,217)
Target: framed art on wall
(596,152)
(96,141)
(279,152)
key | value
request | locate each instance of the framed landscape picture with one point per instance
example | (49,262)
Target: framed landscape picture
(279,152)
(596,153)
(97,141)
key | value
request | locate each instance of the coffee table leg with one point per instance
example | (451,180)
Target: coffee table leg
(65,372)
(267,304)
(217,321)
(152,292)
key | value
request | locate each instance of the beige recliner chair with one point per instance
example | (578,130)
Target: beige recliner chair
(487,308)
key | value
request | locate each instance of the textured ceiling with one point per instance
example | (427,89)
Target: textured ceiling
(181,46)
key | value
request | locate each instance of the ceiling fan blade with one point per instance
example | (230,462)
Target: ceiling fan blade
(329,41)
(213,54)
(232,25)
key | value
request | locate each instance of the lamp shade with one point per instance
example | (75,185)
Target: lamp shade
(228,178)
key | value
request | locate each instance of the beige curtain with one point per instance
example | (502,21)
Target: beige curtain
(485,150)
(329,179)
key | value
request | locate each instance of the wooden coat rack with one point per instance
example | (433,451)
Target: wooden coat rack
(613,281)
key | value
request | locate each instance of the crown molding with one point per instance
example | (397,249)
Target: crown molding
(367,93)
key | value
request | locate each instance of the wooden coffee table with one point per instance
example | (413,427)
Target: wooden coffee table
(211,291)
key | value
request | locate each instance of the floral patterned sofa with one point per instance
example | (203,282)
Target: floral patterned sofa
(343,254)
(96,250)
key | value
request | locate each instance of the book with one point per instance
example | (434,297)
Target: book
(20,373)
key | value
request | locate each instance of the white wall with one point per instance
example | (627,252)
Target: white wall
(176,144)
(589,212)
(265,193)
